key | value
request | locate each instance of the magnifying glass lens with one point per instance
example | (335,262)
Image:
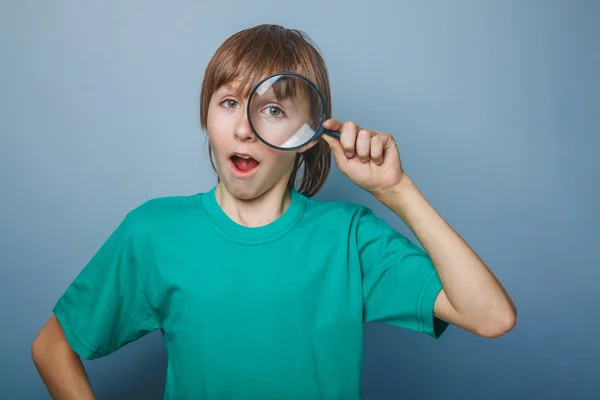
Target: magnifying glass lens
(285,111)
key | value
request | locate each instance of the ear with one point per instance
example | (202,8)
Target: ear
(308,146)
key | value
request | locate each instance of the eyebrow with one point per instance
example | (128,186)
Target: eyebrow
(227,87)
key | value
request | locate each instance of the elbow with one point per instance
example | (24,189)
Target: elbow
(36,352)
(499,325)
(38,349)
(49,342)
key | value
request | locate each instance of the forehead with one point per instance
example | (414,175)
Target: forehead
(280,86)
(239,85)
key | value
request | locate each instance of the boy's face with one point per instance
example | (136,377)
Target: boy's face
(246,166)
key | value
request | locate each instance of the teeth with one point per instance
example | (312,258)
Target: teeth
(241,156)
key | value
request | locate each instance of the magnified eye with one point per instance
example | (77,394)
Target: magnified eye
(274,111)
(286,111)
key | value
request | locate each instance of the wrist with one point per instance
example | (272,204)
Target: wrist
(401,198)
(395,192)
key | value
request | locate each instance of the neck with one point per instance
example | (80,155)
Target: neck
(255,212)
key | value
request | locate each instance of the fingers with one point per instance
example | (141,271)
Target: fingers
(363,145)
(348,134)
(348,138)
(377,149)
(367,145)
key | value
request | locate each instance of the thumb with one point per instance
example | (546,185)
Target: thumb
(336,148)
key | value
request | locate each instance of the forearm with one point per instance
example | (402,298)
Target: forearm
(471,288)
(59,366)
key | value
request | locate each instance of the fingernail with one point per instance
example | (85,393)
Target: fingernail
(349,155)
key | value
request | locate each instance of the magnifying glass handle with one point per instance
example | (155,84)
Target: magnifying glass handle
(334,134)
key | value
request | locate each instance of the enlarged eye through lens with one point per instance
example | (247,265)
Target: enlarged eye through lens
(286,111)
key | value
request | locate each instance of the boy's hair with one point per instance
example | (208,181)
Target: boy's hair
(253,54)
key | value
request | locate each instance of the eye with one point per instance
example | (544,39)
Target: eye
(274,111)
(230,103)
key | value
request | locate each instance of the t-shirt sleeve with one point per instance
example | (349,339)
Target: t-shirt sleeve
(106,306)
(400,282)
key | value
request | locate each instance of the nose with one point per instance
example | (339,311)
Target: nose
(243,131)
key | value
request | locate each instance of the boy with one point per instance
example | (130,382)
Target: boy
(260,291)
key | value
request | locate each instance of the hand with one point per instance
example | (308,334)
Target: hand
(369,158)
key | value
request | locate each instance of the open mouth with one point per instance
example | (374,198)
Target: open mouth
(243,164)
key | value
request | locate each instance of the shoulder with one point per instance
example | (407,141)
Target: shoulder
(161,213)
(336,211)
(358,220)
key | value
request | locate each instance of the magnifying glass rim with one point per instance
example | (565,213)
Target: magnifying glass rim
(318,132)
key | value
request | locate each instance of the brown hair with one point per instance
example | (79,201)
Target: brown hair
(257,52)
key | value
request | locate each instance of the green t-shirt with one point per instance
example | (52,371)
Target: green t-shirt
(274,312)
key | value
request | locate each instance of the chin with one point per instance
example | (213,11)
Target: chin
(243,193)
(244,190)
(249,188)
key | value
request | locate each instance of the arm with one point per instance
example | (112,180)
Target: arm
(59,366)
(472,298)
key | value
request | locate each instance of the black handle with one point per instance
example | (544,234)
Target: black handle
(334,134)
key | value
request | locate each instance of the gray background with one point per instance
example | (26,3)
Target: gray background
(495,106)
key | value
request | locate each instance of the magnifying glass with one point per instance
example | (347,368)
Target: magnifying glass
(286,111)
